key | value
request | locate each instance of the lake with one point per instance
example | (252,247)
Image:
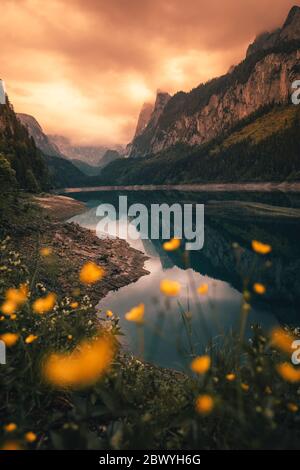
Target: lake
(179,327)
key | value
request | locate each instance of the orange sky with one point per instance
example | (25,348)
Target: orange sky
(83,68)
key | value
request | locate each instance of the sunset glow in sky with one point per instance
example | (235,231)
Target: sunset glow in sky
(83,68)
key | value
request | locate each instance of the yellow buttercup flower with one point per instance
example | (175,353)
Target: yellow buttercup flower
(259,288)
(45,251)
(136,314)
(109,313)
(82,367)
(9,339)
(203,289)
(74,304)
(44,304)
(288,372)
(9,307)
(204,404)
(292,407)
(91,273)
(201,364)
(30,436)
(230,377)
(172,244)
(11,445)
(282,340)
(30,339)
(170,288)
(17,296)
(245,387)
(11,427)
(261,248)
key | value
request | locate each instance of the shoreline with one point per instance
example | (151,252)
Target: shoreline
(72,247)
(210,187)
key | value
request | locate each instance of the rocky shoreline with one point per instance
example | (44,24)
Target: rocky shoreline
(71,247)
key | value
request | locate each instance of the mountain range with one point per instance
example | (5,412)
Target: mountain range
(239,126)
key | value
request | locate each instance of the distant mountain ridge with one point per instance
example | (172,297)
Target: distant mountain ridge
(87,153)
(41,139)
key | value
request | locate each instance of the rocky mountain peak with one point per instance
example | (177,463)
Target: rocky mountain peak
(290,31)
(144,118)
(291,28)
(41,139)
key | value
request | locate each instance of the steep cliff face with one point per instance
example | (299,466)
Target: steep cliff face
(144,118)
(41,139)
(212,109)
(143,138)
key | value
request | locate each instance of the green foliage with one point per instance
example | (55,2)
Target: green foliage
(264,147)
(137,406)
(7,175)
(21,152)
(31,182)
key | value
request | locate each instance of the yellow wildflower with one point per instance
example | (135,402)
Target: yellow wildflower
(136,314)
(172,244)
(17,296)
(46,251)
(44,304)
(170,288)
(30,436)
(203,289)
(91,273)
(82,367)
(11,427)
(70,337)
(8,307)
(261,248)
(201,364)
(245,387)
(9,339)
(259,288)
(230,377)
(109,313)
(288,372)
(292,407)
(74,304)
(282,340)
(11,445)
(30,339)
(204,404)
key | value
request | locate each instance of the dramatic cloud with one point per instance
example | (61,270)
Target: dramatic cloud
(83,68)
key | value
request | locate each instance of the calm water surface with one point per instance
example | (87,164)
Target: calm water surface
(230,218)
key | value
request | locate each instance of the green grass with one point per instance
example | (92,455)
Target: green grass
(263,127)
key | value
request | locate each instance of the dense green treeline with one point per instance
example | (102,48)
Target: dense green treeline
(265,147)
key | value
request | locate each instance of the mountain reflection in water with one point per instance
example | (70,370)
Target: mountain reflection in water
(230,218)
